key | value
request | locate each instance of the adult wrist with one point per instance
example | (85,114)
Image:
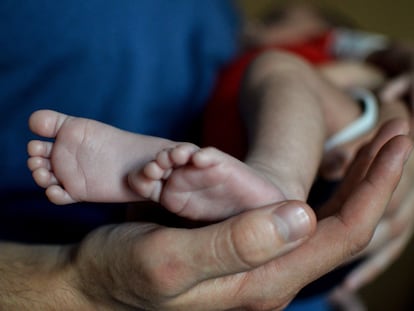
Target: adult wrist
(91,271)
(38,278)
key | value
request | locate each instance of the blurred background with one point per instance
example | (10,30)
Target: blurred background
(395,18)
(394,290)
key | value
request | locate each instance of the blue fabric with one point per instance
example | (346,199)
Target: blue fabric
(142,65)
(314,303)
(146,66)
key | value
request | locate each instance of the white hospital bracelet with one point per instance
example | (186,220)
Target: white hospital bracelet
(365,123)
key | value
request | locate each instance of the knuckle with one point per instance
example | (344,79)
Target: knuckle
(358,242)
(161,272)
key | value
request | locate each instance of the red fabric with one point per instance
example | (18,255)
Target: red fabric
(223,126)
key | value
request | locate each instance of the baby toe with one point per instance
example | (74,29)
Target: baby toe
(56,194)
(182,153)
(44,178)
(38,148)
(35,163)
(153,171)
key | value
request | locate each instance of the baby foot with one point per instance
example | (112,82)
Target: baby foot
(88,160)
(203,184)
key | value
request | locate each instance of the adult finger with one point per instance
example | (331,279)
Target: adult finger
(376,264)
(398,220)
(396,88)
(389,241)
(367,154)
(361,164)
(403,193)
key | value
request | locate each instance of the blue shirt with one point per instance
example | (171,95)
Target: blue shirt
(145,66)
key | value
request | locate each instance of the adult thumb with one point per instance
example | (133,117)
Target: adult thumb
(235,245)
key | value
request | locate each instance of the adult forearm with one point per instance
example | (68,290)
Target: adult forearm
(37,278)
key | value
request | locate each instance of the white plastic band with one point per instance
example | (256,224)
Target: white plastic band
(365,123)
(356,44)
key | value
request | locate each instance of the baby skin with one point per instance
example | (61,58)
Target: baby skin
(94,162)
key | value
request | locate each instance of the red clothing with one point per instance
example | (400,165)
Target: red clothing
(223,126)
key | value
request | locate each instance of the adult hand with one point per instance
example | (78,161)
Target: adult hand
(136,266)
(241,263)
(399,88)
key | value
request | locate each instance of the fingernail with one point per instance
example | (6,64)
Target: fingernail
(292,222)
